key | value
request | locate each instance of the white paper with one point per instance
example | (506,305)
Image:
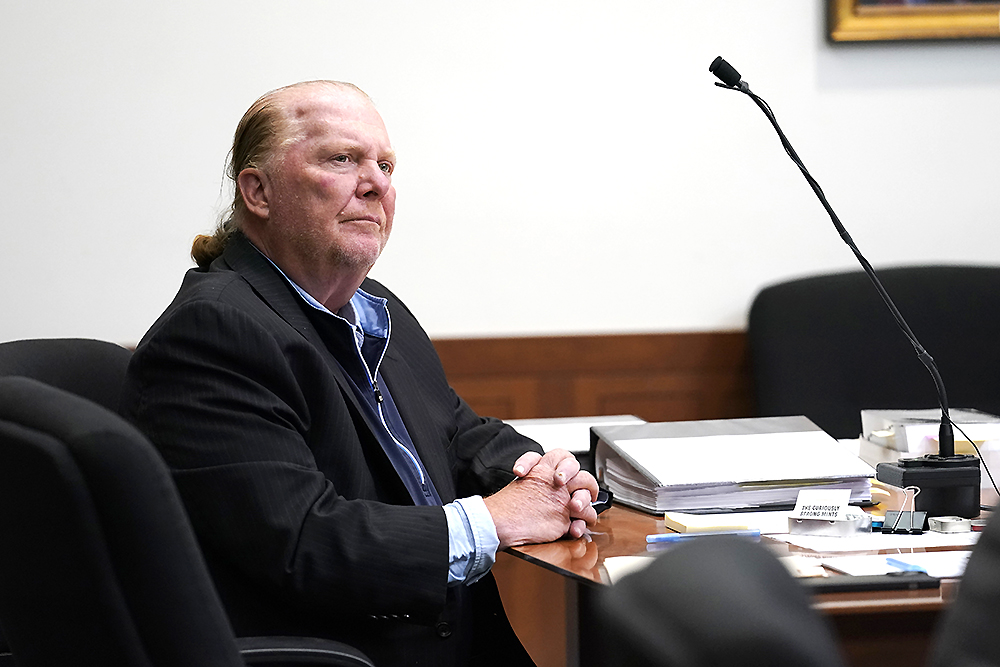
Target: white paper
(617,567)
(828,504)
(569,433)
(878,541)
(740,459)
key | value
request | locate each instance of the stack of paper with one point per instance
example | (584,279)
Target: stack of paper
(916,431)
(570,433)
(725,464)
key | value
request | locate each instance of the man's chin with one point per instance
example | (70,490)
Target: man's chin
(358,256)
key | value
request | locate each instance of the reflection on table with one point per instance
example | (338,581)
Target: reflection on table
(866,621)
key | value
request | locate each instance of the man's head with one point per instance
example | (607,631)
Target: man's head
(312,165)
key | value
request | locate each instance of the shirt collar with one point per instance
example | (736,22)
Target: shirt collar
(364,311)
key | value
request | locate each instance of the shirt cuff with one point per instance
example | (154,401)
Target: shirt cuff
(472,540)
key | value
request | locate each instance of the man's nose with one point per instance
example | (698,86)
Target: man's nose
(373,183)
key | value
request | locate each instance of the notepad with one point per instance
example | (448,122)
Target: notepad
(765,522)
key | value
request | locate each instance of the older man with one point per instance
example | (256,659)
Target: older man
(337,484)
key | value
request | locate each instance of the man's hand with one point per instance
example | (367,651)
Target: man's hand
(551,498)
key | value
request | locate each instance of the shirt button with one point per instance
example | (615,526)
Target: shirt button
(443,630)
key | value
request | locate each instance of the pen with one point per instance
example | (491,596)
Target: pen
(677,537)
(903,565)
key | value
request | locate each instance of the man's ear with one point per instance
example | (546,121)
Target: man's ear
(254,187)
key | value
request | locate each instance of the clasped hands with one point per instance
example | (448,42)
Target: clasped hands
(550,498)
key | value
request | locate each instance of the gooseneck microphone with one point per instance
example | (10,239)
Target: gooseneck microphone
(727,74)
(731,79)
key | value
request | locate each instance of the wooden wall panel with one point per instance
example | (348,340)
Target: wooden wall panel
(659,377)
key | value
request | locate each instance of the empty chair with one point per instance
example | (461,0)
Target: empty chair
(98,563)
(827,347)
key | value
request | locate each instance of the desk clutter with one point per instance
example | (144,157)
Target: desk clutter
(897,551)
(903,444)
(782,479)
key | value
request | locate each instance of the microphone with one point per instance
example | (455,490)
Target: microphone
(950,471)
(726,73)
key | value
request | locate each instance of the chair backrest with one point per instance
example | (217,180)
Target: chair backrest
(98,563)
(94,369)
(966,634)
(827,346)
(713,602)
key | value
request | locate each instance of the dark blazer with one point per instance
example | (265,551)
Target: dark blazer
(305,524)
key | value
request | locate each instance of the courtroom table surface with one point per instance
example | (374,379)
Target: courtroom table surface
(864,621)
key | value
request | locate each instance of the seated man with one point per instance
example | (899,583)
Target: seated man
(337,484)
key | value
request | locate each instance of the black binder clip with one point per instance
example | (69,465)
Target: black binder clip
(904,523)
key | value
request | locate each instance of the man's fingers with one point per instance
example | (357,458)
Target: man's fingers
(584,480)
(588,515)
(580,501)
(526,462)
(577,529)
(566,470)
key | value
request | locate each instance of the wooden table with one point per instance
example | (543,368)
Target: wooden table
(548,590)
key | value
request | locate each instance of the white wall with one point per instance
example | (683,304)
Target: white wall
(565,167)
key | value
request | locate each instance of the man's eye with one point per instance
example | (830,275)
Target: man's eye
(386,167)
(341,158)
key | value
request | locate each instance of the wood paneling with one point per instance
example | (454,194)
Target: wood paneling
(659,377)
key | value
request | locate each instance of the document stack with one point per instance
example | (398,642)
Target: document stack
(724,465)
(915,432)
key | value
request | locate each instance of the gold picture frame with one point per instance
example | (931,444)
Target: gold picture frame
(854,21)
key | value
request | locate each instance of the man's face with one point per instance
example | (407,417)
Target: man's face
(331,199)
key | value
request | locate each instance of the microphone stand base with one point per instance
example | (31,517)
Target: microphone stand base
(949,485)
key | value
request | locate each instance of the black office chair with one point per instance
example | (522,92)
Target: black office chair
(967,636)
(94,369)
(827,347)
(98,563)
(713,602)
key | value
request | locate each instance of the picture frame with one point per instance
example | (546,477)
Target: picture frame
(883,20)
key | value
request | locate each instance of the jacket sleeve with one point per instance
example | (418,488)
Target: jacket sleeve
(272,469)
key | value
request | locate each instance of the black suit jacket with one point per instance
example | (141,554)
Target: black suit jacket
(304,522)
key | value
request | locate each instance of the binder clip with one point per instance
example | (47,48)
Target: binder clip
(903,521)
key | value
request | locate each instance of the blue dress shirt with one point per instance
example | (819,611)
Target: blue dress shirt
(472,535)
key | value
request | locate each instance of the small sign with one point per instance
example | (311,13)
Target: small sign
(822,504)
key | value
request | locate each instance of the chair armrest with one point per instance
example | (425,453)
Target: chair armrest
(287,651)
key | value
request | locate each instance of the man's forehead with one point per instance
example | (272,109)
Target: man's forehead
(313,109)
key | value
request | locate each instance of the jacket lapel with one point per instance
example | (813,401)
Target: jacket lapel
(243,258)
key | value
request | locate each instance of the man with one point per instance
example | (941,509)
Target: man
(337,484)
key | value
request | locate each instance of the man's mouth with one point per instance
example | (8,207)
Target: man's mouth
(366,218)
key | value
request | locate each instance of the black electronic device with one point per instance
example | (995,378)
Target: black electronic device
(603,500)
(952,474)
(894,581)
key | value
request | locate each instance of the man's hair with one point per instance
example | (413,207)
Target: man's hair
(264,128)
